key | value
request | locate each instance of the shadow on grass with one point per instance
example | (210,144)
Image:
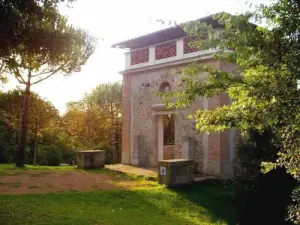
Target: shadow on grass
(217,199)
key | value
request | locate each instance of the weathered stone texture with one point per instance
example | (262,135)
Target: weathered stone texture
(169,151)
(175,172)
(210,152)
(90,159)
(144,88)
(126,119)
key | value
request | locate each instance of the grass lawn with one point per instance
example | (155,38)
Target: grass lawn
(196,204)
(8,169)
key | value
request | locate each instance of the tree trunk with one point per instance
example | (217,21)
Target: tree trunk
(17,136)
(24,127)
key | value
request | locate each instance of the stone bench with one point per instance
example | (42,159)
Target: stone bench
(90,159)
(175,172)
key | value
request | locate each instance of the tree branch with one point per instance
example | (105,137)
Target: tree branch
(21,81)
(46,77)
(41,73)
(18,76)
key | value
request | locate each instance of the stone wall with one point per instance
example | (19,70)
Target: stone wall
(212,153)
(144,88)
(169,151)
(126,120)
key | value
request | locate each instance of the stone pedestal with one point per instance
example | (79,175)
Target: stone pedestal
(90,159)
(175,172)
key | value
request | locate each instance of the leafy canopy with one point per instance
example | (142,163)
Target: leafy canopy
(20,25)
(263,85)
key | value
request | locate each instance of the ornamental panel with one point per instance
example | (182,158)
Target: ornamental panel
(140,56)
(187,45)
(165,50)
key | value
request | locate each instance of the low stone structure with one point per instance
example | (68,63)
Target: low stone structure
(90,159)
(175,172)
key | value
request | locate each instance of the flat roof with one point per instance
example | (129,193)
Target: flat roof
(162,35)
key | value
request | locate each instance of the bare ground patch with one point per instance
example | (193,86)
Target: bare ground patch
(40,182)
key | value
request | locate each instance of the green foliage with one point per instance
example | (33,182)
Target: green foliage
(95,121)
(69,156)
(55,48)
(88,124)
(7,143)
(20,25)
(294,212)
(27,24)
(260,198)
(262,85)
(42,113)
(50,155)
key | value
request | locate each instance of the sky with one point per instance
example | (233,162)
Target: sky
(112,21)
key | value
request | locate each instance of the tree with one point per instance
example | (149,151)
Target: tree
(20,25)
(109,96)
(71,48)
(87,124)
(11,103)
(95,121)
(42,113)
(264,93)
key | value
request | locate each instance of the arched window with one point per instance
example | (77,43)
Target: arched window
(165,87)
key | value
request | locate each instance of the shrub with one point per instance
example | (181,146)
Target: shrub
(261,198)
(69,156)
(50,155)
(8,143)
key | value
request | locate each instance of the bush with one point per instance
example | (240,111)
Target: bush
(8,143)
(50,155)
(261,198)
(69,156)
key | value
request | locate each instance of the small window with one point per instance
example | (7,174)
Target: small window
(165,87)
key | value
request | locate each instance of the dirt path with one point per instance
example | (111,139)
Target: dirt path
(40,182)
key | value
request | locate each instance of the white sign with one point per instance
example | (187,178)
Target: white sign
(298,84)
(163,171)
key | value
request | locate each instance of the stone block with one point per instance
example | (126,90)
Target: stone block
(90,159)
(175,172)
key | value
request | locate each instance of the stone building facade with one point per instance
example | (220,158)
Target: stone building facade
(149,68)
